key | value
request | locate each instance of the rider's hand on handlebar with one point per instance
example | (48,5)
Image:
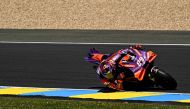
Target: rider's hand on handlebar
(137,46)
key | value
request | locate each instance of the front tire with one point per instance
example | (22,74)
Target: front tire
(165,80)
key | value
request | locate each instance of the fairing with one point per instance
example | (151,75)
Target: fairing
(140,64)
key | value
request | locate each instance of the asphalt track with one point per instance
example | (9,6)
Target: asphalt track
(109,36)
(62,65)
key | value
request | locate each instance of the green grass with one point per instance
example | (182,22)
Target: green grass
(46,103)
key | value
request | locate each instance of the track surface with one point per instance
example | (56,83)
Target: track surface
(51,65)
(119,36)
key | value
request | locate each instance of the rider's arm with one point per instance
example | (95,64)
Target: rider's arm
(117,84)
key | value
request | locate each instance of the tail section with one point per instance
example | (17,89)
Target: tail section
(94,56)
(93,50)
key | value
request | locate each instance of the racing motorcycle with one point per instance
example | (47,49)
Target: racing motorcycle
(140,68)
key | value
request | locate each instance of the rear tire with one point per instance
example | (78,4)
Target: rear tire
(165,80)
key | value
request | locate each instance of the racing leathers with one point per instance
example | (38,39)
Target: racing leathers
(110,73)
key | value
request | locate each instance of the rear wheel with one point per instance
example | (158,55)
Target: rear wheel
(164,80)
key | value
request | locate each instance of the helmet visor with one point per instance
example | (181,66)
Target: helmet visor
(109,75)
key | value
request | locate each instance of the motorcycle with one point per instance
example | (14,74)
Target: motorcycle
(141,69)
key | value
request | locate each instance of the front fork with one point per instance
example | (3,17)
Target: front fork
(150,73)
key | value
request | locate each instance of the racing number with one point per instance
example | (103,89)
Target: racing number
(140,61)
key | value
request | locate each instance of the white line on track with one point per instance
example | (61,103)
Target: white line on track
(93,43)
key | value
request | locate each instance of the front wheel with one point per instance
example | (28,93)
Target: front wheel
(164,80)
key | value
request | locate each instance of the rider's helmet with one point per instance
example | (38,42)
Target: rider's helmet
(107,70)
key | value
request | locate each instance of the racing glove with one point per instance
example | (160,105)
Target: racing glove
(119,85)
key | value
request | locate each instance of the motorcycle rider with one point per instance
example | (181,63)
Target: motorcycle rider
(110,74)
